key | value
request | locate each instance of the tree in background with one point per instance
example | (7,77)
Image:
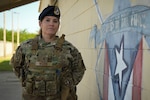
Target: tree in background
(24,35)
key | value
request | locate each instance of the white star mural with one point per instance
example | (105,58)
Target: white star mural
(120,64)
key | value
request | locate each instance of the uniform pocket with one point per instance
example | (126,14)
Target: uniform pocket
(29,87)
(51,88)
(39,88)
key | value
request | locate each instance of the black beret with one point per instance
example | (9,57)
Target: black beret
(50,11)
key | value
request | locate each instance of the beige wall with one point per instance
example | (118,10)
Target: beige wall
(77,19)
(43,4)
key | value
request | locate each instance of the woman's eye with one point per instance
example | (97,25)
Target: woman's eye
(48,20)
(51,20)
(55,21)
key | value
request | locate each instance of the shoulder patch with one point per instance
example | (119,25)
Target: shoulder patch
(69,45)
(26,43)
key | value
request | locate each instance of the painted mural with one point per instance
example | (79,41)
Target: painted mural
(121,38)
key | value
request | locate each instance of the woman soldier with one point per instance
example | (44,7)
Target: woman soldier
(49,66)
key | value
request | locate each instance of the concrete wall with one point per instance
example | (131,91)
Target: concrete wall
(116,53)
(78,17)
(8,48)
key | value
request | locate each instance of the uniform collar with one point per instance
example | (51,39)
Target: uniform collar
(43,43)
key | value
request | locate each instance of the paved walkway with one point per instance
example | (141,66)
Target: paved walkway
(10,86)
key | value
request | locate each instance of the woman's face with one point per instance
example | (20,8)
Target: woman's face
(49,25)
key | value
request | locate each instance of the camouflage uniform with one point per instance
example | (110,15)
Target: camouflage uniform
(48,71)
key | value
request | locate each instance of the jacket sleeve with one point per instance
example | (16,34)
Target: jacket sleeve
(17,61)
(78,67)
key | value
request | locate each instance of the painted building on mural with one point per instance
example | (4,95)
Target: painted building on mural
(113,37)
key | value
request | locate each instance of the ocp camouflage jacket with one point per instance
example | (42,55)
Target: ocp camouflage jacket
(45,70)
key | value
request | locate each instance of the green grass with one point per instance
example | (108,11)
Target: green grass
(4,64)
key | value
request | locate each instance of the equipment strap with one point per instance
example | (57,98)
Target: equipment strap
(35,43)
(60,42)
